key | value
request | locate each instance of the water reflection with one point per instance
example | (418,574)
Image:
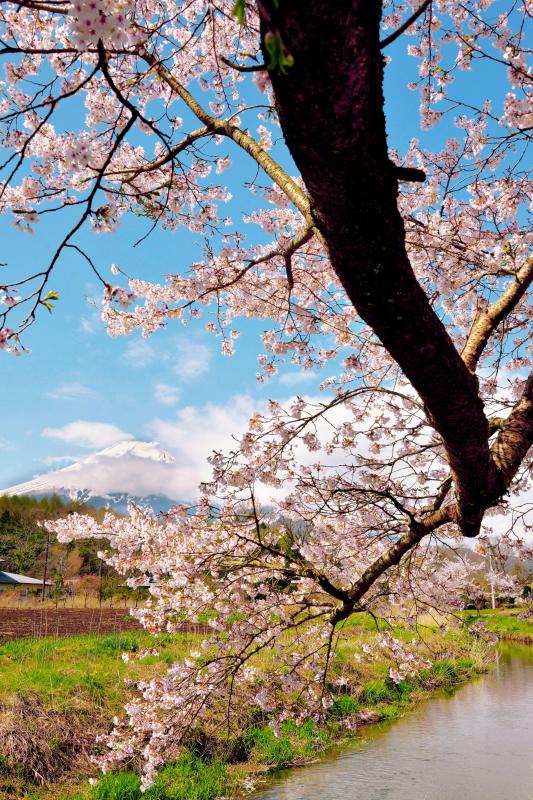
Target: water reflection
(473,745)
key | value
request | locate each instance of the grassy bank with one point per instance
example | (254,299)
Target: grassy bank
(57,695)
(511,624)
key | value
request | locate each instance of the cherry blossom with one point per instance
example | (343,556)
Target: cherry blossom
(358,497)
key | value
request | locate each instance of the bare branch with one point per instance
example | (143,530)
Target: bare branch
(240,68)
(407,24)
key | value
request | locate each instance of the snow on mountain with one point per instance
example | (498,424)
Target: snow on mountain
(140,471)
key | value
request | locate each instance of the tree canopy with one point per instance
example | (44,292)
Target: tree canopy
(411,269)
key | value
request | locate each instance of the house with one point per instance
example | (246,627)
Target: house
(12,579)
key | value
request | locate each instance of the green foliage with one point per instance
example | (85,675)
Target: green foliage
(280,58)
(118,786)
(239,10)
(277,751)
(22,539)
(119,643)
(49,299)
(377,692)
(59,590)
(189,778)
(508,624)
(95,688)
(343,706)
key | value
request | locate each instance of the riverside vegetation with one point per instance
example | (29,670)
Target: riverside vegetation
(57,695)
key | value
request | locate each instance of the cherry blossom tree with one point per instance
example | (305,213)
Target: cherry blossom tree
(410,270)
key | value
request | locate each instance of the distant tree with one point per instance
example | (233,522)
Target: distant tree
(58,591)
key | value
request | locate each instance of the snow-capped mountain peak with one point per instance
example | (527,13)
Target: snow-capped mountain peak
(150,450)
(141,471)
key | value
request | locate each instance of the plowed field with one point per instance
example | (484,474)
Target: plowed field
(39,622)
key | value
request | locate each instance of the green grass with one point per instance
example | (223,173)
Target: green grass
(81,679)
(188,779)
(505,623)
(82,669)
(344,706)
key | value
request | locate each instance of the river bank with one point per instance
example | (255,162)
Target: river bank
(472,743)
(57,695)
(510,624)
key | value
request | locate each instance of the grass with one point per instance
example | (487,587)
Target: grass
(79,669)
(63,692)
(513,624)
(188,778)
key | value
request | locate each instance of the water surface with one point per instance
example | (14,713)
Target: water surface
(476,744)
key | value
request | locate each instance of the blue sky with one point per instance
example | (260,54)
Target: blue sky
(147,389)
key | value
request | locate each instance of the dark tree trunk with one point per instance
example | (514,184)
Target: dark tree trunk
(330,102)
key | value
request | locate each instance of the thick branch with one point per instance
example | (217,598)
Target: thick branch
(338,141)
(513,442)
(486,323)
(417,531)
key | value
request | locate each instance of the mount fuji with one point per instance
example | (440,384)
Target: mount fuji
(131,470)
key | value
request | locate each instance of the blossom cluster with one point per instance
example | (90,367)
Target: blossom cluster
(100,20)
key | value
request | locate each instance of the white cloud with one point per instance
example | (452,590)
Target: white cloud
(167,395)
(93,435)
(193,435)
(71,391)
(192,360)
(186,358)
(139,353)
(293,378)
(5,445)
(54,461)
(196,431)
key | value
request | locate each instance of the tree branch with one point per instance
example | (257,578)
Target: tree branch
(244,140)
(486,323)
(241,68)
(417,531)
(513,442)
(407,24)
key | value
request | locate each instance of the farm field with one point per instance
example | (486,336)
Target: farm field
(43,622)
(39,622)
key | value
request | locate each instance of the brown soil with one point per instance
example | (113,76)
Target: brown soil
(39,622)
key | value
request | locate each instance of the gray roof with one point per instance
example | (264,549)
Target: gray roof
(15,580)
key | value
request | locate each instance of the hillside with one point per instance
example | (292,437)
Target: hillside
(23,541)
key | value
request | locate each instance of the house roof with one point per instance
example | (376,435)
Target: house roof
(18,580)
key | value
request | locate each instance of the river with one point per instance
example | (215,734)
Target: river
(473,744)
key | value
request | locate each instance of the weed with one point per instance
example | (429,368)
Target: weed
(189,778)
(121,642)
(343,706)
(268,748)
(377,692)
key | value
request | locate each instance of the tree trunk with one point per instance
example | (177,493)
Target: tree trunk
(330,103)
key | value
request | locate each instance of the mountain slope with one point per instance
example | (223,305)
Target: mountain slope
(127,470)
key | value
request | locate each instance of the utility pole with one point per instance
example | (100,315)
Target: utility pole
(43,593)
(491,578)
(100,583)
